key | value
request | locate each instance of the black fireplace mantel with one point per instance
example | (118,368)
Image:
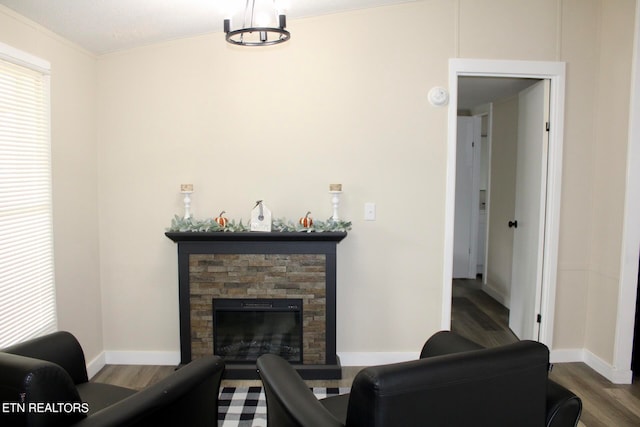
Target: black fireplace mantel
(256,236)
(191,243)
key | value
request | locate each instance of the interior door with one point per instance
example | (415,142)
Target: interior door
(465,234)
(528,238)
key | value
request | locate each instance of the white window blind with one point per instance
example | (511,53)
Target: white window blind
(27,289)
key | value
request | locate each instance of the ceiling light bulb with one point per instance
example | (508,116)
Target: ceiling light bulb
(263,19)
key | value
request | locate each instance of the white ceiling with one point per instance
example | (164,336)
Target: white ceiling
(476,91)
(103,26)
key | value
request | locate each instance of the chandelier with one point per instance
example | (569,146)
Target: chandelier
(261,26)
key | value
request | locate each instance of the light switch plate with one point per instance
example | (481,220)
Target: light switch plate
(370,211)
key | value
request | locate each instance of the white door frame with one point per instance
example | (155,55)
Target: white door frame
(625,323)
(554,71)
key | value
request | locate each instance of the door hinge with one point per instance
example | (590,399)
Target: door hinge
(473,144)
(548,127)
(539,318)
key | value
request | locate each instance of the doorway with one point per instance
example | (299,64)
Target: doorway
(554,72)
(505,117)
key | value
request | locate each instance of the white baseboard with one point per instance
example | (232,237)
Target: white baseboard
(495,295)
(94,366)
(566,356)
(172,358)
(613,374)
(164,358)
(375,358)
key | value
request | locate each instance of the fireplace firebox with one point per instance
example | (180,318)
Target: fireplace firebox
(244,329)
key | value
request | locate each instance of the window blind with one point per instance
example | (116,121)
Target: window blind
(27,289)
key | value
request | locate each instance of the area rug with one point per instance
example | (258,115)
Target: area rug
(247,407)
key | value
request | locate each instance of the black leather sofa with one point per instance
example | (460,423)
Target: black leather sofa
(455,383)
(43,382)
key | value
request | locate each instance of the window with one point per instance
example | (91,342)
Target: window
(27,289)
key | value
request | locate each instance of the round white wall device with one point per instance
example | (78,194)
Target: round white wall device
(438,96)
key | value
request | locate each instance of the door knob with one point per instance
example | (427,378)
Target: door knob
(513,224)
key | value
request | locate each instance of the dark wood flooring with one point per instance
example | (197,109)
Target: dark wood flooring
(482,319)
(477,316)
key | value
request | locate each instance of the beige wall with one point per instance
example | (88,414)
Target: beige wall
(280,125)
(343,101)
(580,33)
(73,136)
(609,154)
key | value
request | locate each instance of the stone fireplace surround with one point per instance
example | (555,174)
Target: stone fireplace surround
(260,265)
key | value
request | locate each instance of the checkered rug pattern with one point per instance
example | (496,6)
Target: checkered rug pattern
(247,406)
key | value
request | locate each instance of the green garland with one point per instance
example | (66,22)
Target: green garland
(179,224)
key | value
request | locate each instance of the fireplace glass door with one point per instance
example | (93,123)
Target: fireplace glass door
(244,329)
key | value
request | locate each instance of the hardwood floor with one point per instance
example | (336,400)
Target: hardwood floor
(477,316)
(136,377)
(139,377)
(480,318)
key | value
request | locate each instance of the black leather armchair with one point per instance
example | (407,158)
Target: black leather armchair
(455,383)
(43,382)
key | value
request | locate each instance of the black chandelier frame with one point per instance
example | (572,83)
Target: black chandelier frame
(236,37)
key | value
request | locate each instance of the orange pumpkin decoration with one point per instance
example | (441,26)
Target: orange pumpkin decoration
(306,221)
(222,221)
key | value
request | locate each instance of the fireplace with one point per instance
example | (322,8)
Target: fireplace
(244,329)
(263,272)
